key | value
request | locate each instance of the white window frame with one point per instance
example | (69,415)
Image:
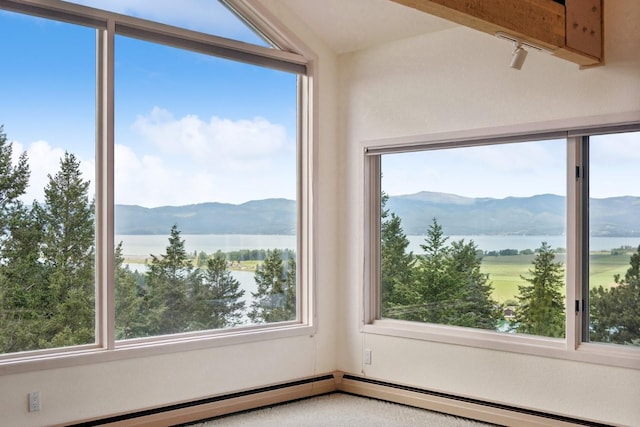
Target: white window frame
(572,346)
(107,25)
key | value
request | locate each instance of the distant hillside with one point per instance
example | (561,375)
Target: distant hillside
(537,215)
(270,216)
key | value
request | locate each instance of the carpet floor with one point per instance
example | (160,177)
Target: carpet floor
(338,410)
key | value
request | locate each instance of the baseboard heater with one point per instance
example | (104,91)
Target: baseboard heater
(449,404)
(202,409)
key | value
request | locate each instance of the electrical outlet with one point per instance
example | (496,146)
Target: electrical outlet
(367,356)
(34,401)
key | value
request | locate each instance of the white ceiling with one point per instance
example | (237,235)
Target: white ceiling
(350,25)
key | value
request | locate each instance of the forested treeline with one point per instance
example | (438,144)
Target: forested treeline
(47,272)
(444,285)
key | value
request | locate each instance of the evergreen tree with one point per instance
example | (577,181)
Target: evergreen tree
(474,307)
(68,254)
(216,300)
(615,312)
(275,299)
(24,293)
(541,309)
(446,287)
(169,279)
(21,293)
(437,290)
(128,299)
(14,180)
(396,264)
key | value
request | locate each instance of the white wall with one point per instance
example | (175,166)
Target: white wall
(459,79)
(98,390)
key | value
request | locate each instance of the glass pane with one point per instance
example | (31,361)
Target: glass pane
(205,190)
(614,238)
(475,237)
(205,16)
(47,163)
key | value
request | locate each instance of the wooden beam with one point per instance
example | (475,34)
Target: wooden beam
(544,23)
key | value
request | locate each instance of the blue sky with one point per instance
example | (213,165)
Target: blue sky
(519,170)
(189,128)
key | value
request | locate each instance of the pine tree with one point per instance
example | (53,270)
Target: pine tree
(615,312)
(474,307)
(447,286)
(217,298)
(435,290)
(128,299)
(14,180)
(541,303)
(21,290)
(275,299)
(24,291)
(68,253)
(396,264)
(169,280)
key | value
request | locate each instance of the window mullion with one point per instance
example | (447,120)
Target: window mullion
(583,256)
(104,187)
(575,176)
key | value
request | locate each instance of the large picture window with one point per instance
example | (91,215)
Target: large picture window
(475,237)
(205,192)
(153,181)
(508,242)
(47,184)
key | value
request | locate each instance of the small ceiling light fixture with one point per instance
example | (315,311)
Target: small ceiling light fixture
(519,53)
(518,56)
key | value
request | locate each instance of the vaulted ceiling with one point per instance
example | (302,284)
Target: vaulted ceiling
(350,25)
(572,32)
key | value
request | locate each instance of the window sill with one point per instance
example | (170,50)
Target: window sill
(87,355)
(603,354)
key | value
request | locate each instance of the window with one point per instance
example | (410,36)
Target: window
(205,156)
(475,242)
(170,204)
(501,242)
(47,140)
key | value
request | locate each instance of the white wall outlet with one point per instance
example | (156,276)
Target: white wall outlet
(34,401)
(367,356)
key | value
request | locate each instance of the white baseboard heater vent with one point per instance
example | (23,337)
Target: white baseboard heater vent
(202,409)
(475,409)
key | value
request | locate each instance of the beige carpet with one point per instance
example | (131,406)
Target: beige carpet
(337,410)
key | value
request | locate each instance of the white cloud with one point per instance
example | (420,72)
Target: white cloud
(219,140)
(178,161)
(149,181)
(184,161)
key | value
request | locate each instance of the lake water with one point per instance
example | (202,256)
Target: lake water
(144,245)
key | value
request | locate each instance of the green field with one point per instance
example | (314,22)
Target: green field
(505,271)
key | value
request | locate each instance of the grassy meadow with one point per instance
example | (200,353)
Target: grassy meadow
(505,271)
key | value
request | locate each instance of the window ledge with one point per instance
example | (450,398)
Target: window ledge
(603,354)
(87,355)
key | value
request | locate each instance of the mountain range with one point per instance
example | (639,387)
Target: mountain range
(536,215)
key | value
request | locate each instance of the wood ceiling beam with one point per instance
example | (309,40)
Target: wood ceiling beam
(572,32)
